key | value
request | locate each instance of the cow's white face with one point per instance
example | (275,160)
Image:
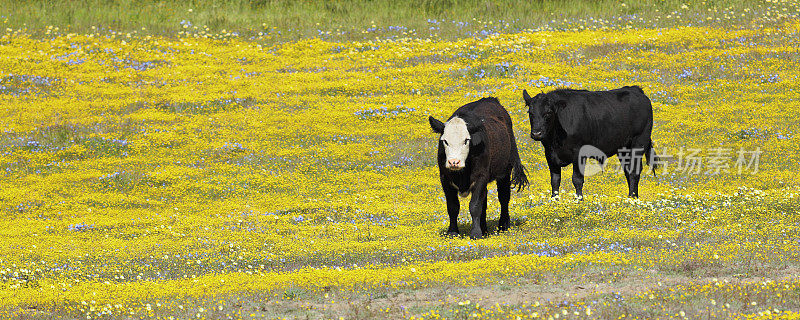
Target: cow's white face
(456,140)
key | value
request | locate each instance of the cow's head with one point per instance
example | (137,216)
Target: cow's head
(542,112)
(458,137)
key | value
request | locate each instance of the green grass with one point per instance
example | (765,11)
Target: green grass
(578,284)
(349,18)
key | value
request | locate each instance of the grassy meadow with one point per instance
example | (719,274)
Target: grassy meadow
(278,163)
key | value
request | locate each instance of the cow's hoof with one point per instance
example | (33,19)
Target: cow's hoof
(502,226)
(476,235)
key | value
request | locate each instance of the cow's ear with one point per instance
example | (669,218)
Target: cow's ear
(474,125)
(477,142)
(555,105)
(560,104)
(525,95)
(476,139)
(436,125)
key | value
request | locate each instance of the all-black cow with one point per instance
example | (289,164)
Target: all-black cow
(476,147)
(575,124)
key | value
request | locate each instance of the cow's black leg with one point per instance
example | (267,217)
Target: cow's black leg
(555,179)
(476,207)
(484,227)
(633,182)
(627,179)
(641,145)
(632,174)
(555,172)
(577,180)
(504,195)
(451,195)
(635,185)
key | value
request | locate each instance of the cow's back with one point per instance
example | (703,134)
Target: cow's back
(486,109)
(497,124)
(608,120)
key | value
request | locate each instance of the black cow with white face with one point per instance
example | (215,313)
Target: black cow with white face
(607,123)
(476,147)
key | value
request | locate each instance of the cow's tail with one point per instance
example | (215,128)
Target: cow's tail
(651,157)
(518,178)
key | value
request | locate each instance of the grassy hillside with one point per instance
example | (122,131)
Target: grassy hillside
(201,174)
(348,18)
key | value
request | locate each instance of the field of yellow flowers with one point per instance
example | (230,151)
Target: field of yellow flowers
(217,176)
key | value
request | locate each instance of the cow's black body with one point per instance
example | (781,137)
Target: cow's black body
(565,120)
(492,156)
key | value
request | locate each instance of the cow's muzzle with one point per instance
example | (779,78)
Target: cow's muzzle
(455,165)
(537,135)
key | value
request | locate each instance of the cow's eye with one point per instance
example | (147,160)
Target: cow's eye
(466,142)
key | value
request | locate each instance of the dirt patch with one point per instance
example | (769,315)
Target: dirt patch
(538,289)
